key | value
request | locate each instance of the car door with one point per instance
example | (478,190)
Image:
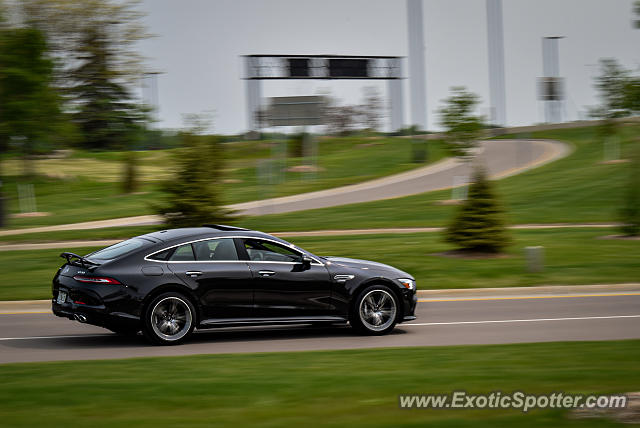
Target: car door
(222,282)
(283,286)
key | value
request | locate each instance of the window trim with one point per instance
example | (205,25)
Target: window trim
(291,246)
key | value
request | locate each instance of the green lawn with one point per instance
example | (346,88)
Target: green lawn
(578,188)
(572,256)
(119,232)
(85,186)
(329,388)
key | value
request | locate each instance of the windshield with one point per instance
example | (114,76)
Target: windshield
(117,250)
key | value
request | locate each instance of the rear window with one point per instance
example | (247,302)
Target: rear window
(119,249)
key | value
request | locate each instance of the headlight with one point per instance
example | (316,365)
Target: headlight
(408,283)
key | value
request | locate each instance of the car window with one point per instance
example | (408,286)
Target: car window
(183,253)
(162,255)
(119,249)
(216,250)
(259,250)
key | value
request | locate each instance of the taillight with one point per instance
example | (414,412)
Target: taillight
(96,279)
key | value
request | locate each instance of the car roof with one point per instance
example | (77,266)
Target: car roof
(171,235)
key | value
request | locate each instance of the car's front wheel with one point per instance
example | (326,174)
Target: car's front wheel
(169,319)
(375,310)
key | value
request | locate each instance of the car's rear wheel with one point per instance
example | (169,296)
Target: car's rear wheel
(375,311)
(169,319)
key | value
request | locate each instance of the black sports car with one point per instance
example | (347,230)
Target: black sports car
(167,283)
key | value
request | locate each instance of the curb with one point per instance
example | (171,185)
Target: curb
(529,292)
(44,306)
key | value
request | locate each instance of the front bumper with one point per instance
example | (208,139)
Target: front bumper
(409,303)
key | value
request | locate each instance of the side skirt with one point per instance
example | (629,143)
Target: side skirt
(225,322)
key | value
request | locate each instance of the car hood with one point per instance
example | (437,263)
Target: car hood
(368,265)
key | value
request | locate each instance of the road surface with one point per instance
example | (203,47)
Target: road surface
(43,337)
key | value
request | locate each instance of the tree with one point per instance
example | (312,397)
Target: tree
(340,119)
(630,213)
(613,85)
(30,107)
(479,225)
(371,109)
(104,109)
(66,24)
(462,127)
(93,45)
(193,195)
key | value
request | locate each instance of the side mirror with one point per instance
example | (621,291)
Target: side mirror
(306,262)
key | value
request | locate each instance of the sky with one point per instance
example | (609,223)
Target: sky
(198,46)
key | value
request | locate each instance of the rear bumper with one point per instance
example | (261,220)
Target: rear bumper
(94,315)
(105,306)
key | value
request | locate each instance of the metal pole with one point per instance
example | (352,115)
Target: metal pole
(496,62)
(253,92)
(394,88)
(417,70)
(551,69)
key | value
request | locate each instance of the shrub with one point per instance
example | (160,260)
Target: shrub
(193,195)
(479,224)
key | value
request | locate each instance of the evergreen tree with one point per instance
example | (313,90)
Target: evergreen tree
(104,111)
(193,195)
(479,224)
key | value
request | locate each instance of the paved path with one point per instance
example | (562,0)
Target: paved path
(501,157)
(344,232)
(43,337)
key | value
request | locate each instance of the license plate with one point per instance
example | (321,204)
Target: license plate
(62,297)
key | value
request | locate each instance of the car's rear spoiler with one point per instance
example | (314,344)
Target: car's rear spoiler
(86,263)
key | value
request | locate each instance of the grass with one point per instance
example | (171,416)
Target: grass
(328,388)
(119,232)
(572,256)
(85,185)
(578,188)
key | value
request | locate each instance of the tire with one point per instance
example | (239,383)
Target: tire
(375,311)
(169,319)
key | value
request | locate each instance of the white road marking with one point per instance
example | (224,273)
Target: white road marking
(55,337)
(523,320)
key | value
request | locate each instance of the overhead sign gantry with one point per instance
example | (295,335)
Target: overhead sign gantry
(327,67)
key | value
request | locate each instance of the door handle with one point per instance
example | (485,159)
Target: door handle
(266,273)
(193,273)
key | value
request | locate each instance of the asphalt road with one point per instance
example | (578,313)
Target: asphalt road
(43,337)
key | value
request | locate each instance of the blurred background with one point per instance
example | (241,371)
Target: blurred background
(491,144)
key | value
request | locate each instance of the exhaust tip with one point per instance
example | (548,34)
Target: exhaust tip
(80,317)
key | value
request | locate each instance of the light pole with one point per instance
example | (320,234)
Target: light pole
(495,39)
(417,70)
(551,85)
